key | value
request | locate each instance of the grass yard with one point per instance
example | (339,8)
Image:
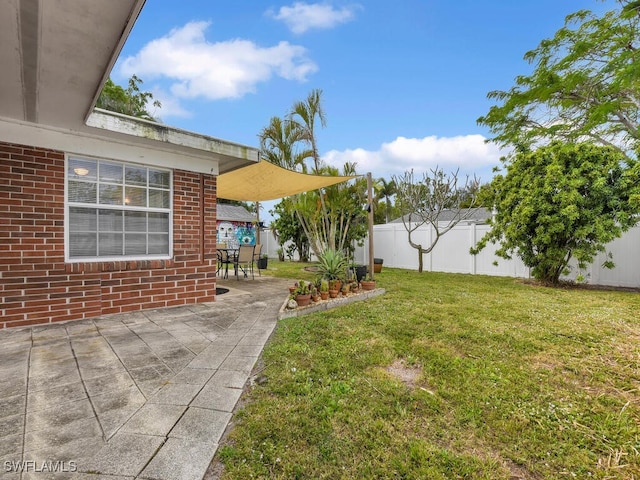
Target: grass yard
(448,376)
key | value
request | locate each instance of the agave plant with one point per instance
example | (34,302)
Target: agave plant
(333,265)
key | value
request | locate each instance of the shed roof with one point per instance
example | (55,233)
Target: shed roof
(477,215)
(234,213)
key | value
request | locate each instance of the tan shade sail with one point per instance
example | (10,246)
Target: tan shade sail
(264,181)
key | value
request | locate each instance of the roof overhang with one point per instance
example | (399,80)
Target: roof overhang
(56,56)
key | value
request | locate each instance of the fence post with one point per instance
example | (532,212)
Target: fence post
(472,231)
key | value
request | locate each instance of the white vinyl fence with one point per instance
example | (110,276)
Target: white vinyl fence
(451,254)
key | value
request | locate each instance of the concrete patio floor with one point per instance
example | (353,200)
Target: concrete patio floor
(141,395)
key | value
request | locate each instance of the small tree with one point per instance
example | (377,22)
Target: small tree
(130,101)
(286,227)
(562,201)
(437,200)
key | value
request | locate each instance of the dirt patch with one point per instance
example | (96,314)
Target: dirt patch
(408,375)
(578,286)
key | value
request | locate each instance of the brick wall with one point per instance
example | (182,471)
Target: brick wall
(36,286)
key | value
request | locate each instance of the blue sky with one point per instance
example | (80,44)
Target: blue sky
(403,82)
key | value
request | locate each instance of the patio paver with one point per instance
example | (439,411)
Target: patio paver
(140,395)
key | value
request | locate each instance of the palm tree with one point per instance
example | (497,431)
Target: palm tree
(306,112)
(386,190)
(278,142)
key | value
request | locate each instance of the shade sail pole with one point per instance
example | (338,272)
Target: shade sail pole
(370,200)
(258,222)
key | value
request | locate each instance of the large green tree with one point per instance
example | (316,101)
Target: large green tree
(585,84)
(562,201)
(334,218)
(384,209)
(306,113)
(281,141)
(329,218)
(130,101)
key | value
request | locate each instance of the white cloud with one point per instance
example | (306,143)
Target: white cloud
(170,106)
(468,153)
(301,17)
(228,69)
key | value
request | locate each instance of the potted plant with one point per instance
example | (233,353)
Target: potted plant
(368,283)
(315,296)
(324,289)
(332,265)
(334,286)
(262,261)
(345,289)
(302,293)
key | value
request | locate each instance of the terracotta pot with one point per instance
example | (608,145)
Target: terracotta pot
(368,285)
(333,293)
(315,298)
(324,295)
(292,289)
(303,300)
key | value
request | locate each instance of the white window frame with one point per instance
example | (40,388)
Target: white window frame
(120,208)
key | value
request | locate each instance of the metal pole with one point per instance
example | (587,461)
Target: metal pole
(258,222)
(370,200)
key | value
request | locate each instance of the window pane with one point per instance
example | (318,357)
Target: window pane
(135,176)
(158,178)
(135,196)
(82,192)
(110,195)
(83,219)
(110,220)
(159,222)
(159,198)
(135,244)
(158,244)
(135,222)
(82,169)
(82,245)
(109,244)
(110,172)
(125,227)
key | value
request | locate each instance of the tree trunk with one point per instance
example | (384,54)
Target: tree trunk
(420,259)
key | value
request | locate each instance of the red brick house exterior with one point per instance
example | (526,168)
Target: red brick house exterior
(38,286)
(100,213)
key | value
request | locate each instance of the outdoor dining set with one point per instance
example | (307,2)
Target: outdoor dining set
(241,257)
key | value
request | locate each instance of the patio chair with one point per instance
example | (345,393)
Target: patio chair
(244,261)
(256,256)
(224,259)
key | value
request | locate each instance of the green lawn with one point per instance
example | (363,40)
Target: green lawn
(448,376)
